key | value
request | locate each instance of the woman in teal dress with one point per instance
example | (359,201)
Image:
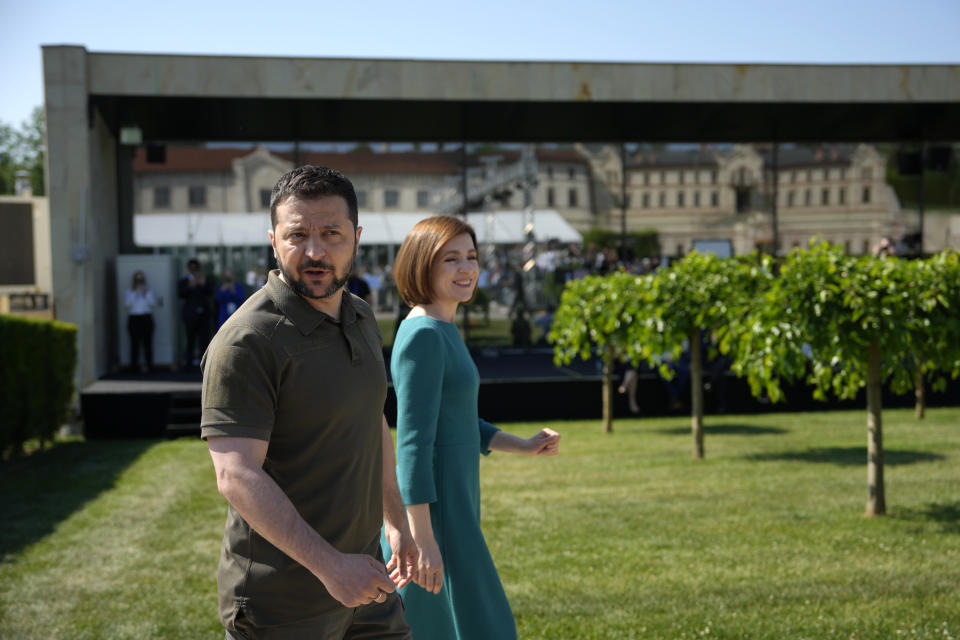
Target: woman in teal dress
(456,594)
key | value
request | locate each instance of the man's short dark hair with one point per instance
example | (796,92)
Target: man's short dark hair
(308,182)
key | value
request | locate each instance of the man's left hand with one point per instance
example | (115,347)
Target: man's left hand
(402,566)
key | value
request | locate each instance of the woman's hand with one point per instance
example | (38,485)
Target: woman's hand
(429,566)
(544,443)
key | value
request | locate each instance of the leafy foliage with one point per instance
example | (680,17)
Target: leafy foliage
(23,149)
(818,320)
(597,312)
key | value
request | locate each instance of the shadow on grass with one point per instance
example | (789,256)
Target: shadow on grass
(727,429)
(847,456)
(41,490)
(947,514)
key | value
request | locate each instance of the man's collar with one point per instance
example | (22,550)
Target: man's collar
(302,314)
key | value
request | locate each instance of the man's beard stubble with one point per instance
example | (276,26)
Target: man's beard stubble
(301,289)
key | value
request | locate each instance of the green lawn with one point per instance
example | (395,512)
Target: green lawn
(622,536)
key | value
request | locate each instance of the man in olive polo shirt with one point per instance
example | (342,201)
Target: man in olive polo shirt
(293,392)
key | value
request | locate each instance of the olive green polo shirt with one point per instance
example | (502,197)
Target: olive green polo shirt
(314,388)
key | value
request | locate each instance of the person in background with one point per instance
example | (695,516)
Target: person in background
(140,302)
(457,593)
(195,292)
(357,285)
(230,295)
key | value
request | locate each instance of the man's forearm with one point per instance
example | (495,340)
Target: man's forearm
(266,508)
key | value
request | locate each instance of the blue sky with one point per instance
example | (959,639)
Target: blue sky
(805,31)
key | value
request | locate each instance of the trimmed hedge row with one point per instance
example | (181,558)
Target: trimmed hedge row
(37,363)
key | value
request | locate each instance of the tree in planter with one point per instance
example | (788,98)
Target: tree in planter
(841,324)
(596,315)
(935,321)
(692,299)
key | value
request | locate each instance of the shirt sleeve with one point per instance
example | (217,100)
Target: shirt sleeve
(239,392)
(417,368)
(487,431)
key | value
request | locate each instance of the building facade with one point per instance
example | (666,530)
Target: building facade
(836,193)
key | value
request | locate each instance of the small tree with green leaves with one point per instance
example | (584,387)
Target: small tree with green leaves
(695,297)
(841,324)
(935,321)
(595,316)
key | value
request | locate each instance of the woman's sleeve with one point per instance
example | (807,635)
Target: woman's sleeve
(417,368)
(487,431)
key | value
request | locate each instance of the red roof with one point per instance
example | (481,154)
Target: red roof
(190,159)
(186,159)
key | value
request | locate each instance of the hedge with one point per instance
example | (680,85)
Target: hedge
(37,363)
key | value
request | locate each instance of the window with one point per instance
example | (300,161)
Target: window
(866,195)
(680,198)
(867,173)
(646,177)
(663,199)
(550,173)
(713,177)
(572,173)
(572,198)
(663,177)
(809,175)
(551,198)
(714,199)
(423,199)
(843,174)
(807,197)
(161,197)
(866,247)
(391,198)
(361,199)
(790,198)
(825,197)
(680,176)
(645,200)
(264,198)
(696,198)
(793,176)
(842,195)
(198,196)
(743,199)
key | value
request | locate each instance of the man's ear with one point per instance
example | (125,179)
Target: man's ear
(356,243)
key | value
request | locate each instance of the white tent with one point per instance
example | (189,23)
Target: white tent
(250,229)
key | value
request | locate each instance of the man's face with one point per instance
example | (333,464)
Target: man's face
(315,245)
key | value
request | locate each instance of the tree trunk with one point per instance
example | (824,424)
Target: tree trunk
(919,393)
(696,394)
(876,501)
(607,390)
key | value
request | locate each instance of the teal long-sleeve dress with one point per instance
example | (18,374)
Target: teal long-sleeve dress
(439,441)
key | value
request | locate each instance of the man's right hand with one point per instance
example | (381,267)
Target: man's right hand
(356,579)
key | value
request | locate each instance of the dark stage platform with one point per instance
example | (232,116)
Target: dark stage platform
(515,384)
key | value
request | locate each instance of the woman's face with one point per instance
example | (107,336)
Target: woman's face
(453,276)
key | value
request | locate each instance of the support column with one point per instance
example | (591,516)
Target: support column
(81,180)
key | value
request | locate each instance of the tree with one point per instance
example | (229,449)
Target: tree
(934,322)
(596,315)
(843,324)
(688,303)
(23,150)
